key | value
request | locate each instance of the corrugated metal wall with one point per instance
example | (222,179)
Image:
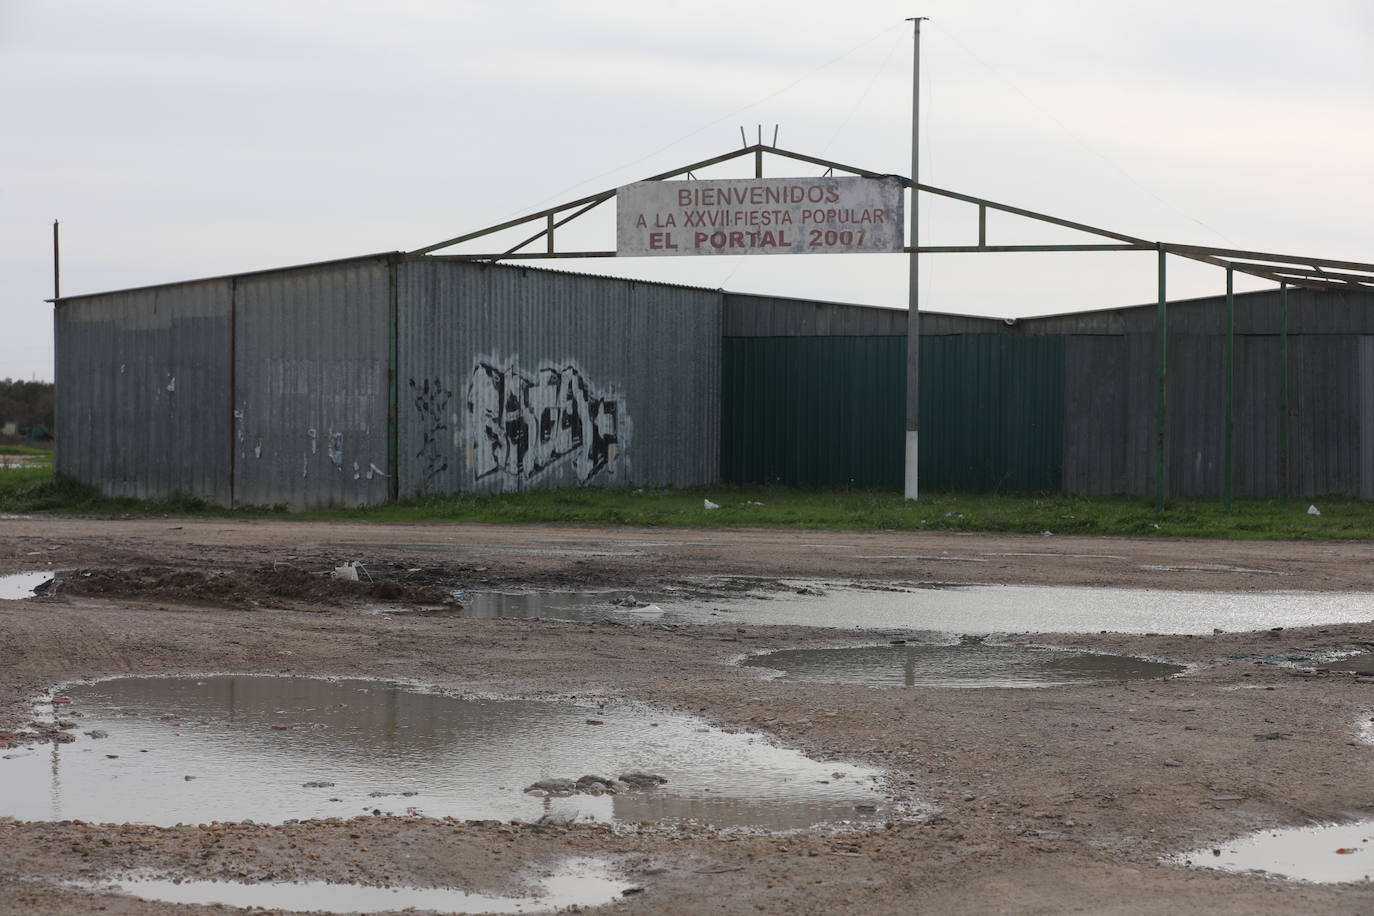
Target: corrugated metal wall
(1110,422)
(992,412)
(775,316)
(829,411)
(813,411)
(513,378)
(310,380)
(143,391)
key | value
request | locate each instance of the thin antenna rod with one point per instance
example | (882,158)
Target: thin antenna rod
(56,264)
(743,140)
(775,136)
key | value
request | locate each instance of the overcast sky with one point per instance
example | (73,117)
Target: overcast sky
(185,139)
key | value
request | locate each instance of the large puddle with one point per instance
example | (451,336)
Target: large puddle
(172,750)
(956,666)
(1042,609)
(575,883)
(1328,854)
(949,609)
(21,585)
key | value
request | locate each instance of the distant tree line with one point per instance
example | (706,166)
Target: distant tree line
(27,404)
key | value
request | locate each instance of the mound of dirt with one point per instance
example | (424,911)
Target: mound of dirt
(274,584)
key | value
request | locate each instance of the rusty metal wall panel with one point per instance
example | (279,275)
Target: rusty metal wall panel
(1196,415)
(310,406)
(1324,406)
(748,315)
(514,378)
(814,411)
(1256,440)
(142,391)
(1097,409)
(1309,312)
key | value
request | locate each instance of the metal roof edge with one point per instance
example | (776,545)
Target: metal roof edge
(1155,304)
(862,305)
(566,273)
(383,255)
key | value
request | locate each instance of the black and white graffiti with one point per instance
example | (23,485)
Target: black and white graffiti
(431,401)
(521,425)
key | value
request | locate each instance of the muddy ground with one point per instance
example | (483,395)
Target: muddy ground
(1037,801)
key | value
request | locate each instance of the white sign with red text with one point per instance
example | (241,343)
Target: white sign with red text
(759,216)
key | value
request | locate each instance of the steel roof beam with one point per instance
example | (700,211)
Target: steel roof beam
(961,249)
(1314,273)
(1262,256)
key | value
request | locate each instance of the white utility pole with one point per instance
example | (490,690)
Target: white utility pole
(913,319)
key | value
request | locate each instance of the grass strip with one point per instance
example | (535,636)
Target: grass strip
(35,490)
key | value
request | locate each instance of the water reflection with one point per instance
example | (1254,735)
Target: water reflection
(1329,854)
(21,585)
(230,748)
(956,666)
(575,883)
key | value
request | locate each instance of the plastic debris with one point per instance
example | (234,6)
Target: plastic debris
(1313,510)
(711,505)
(347,572)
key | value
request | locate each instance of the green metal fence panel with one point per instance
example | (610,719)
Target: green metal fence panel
(829,411)
(812,411)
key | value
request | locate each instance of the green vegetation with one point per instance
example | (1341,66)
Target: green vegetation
(29,405)
(26,451)
(30,490)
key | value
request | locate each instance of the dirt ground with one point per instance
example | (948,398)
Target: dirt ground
(1055,801)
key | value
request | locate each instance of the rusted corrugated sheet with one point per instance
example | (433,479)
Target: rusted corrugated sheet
(1096,414)
(310,381)
(1324,430)
(774,316)
(143,391)
(513,378)
(813,411)
(1309,312)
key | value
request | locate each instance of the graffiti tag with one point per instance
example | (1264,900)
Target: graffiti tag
(431,400)
(522,425)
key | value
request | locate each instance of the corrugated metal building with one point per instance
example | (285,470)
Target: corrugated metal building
(378,378)
(1060,403)
(356,382)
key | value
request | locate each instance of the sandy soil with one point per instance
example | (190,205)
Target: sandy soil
(1039,801)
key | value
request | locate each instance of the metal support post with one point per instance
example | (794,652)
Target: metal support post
(1161,395)
(1228,462)
(913,315)
(1283,393)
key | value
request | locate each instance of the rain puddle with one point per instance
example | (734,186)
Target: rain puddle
(1043,609)
(941,608)
(577,606)
(956,666)
(171,750)
(575,883)
(1328,854)
(22,585)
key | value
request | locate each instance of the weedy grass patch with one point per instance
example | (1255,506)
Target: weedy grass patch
(31,490)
